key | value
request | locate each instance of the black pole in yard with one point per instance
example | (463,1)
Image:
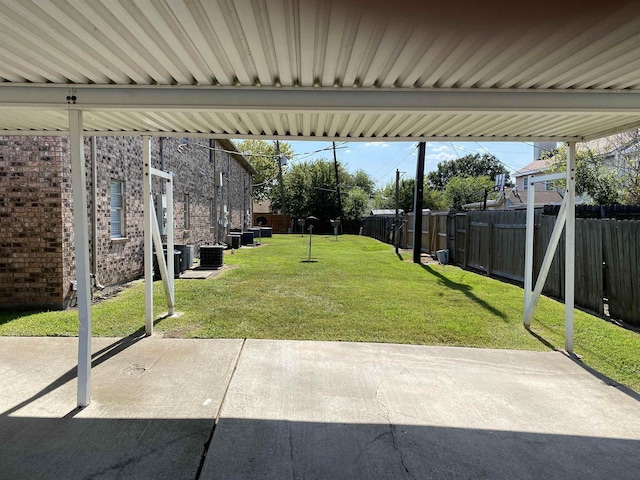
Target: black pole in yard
(396,231)
(417,204)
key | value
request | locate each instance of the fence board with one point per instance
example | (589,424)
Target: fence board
(607,254)
(460,238)
(623,270)
(589,280)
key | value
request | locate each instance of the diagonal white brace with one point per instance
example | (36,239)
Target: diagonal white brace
(546,262)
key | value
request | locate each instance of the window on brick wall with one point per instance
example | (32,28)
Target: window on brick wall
(117,209)
(186,211)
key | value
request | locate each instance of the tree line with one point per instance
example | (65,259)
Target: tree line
(311,187)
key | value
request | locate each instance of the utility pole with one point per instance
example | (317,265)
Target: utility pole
(335,164)
(396,233)
(417,204)
(282,205)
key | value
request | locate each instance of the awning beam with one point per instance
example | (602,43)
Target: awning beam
(316,100)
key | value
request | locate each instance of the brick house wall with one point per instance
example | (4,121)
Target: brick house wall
(31,229)
(37,260)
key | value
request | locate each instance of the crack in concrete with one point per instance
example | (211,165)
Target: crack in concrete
(392,429)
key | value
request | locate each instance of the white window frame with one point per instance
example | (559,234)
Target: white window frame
(117,208)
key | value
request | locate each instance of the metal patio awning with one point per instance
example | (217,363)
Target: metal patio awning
(321,69)
(563,70)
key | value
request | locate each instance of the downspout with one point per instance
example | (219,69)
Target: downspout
(162,184)
(94,215)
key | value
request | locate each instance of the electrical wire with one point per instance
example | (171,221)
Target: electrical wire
(181,148)
(394,168)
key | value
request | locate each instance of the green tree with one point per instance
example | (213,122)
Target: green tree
(310,189)
(468,166)
(361,179)
(385,198)
(462,190)
(593,176)
(356,204)
(264,158)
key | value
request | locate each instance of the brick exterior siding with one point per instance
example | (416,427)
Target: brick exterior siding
(37,260)
(31,211)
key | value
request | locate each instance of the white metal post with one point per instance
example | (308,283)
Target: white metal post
(148,246)
(546,263)
(528,256)
(170,224)
(570,248)
(81,239)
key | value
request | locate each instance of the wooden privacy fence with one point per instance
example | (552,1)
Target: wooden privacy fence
(380,228)
(607,262)
(438,232)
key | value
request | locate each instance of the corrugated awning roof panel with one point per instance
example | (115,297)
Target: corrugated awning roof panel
(371,50)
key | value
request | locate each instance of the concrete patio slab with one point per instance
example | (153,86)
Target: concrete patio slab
(154,403)
(312,410)
(318,410)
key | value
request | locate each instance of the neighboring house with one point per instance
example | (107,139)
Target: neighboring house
(514,198)
(534,169)
(263,215)
(37,264)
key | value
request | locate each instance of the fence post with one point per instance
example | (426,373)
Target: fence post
(490,249)
(467,235)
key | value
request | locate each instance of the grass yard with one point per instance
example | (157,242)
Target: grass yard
(358,290)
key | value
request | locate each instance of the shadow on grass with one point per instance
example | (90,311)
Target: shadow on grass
(542,340)
(578,361)
(464,289)
(603,378)
(97,358)
(6,317)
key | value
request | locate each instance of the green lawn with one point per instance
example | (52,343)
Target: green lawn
(358,290)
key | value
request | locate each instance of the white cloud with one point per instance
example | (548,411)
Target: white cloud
(440,156)
(376,144)
(438,147)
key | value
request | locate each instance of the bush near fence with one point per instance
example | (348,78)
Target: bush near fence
(607,274)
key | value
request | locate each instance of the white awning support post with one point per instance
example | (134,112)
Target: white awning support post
(170,223)
(528,255)
(531,299)
(570,248)
(167,268)
(152,236)
(81,240)
(546,263)
(148,252)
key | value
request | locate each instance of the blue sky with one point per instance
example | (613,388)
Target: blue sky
(380,159)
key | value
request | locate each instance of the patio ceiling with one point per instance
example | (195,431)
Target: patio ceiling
(301,69)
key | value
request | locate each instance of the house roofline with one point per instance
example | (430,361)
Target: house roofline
(229,145)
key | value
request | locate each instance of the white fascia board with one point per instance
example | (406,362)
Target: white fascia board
(232,136)
(314,100)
